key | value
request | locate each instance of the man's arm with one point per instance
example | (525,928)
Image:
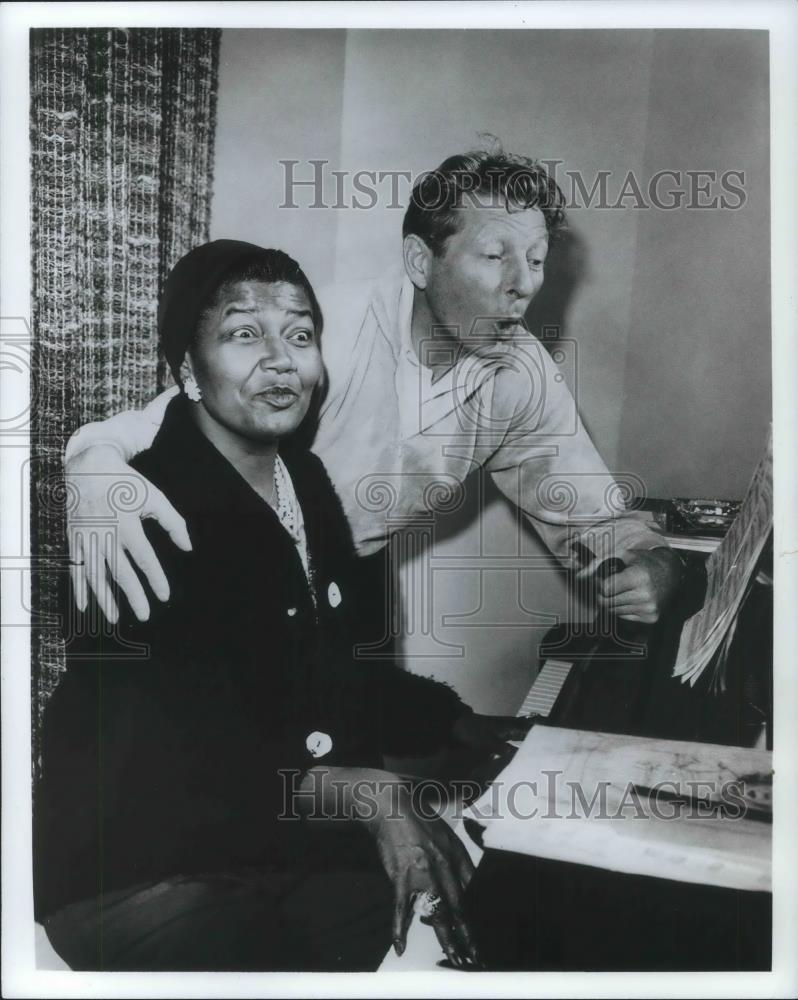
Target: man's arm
(130,432)
(109,502)
(548,466)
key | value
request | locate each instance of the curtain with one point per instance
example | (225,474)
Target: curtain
(122,136)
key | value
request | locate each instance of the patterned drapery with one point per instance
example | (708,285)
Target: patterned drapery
(122,135)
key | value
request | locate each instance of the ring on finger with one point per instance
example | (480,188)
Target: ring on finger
(426,904)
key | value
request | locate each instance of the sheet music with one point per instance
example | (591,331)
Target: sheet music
(532,808)
(729,572)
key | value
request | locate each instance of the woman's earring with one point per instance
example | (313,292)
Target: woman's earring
(191,389)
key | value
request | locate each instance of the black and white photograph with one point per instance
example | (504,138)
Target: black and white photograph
(398,536)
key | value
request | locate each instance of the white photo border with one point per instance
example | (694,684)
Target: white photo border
(19,975)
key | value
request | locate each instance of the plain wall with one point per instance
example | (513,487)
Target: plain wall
(665,313)
(280,98)
(697,391)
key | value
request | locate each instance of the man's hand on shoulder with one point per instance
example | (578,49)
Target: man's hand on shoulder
(107,501)
(642,590)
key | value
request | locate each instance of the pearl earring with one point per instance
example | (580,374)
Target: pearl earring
(191,389)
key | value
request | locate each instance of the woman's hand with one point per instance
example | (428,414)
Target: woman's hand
(490,732)
(424,856)
(107,501)
(420,855)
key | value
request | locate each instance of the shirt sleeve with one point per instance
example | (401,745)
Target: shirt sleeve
(131,431)
(546,464)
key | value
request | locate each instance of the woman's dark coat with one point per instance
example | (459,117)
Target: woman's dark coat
(164,741)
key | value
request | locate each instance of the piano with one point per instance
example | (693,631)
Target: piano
(531,914)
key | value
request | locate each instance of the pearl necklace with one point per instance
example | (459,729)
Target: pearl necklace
(287,505)
(289,514)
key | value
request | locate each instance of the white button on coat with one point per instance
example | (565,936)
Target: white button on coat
(291,612)
(333,595)
(319,744)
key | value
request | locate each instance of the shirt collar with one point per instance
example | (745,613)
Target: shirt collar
(404,320)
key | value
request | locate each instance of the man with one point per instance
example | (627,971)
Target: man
(432,375)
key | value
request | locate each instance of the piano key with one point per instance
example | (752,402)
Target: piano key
(546,687)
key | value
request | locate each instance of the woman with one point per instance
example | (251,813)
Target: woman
(172,815)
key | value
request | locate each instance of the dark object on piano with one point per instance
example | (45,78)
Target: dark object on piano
(701,517)
(689,517)
(534,914)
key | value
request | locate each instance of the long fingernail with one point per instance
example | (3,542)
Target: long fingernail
(399,947)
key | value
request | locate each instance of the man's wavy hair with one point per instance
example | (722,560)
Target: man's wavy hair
(483,179)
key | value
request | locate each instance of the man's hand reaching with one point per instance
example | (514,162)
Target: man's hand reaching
(641,590)
(105,533)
